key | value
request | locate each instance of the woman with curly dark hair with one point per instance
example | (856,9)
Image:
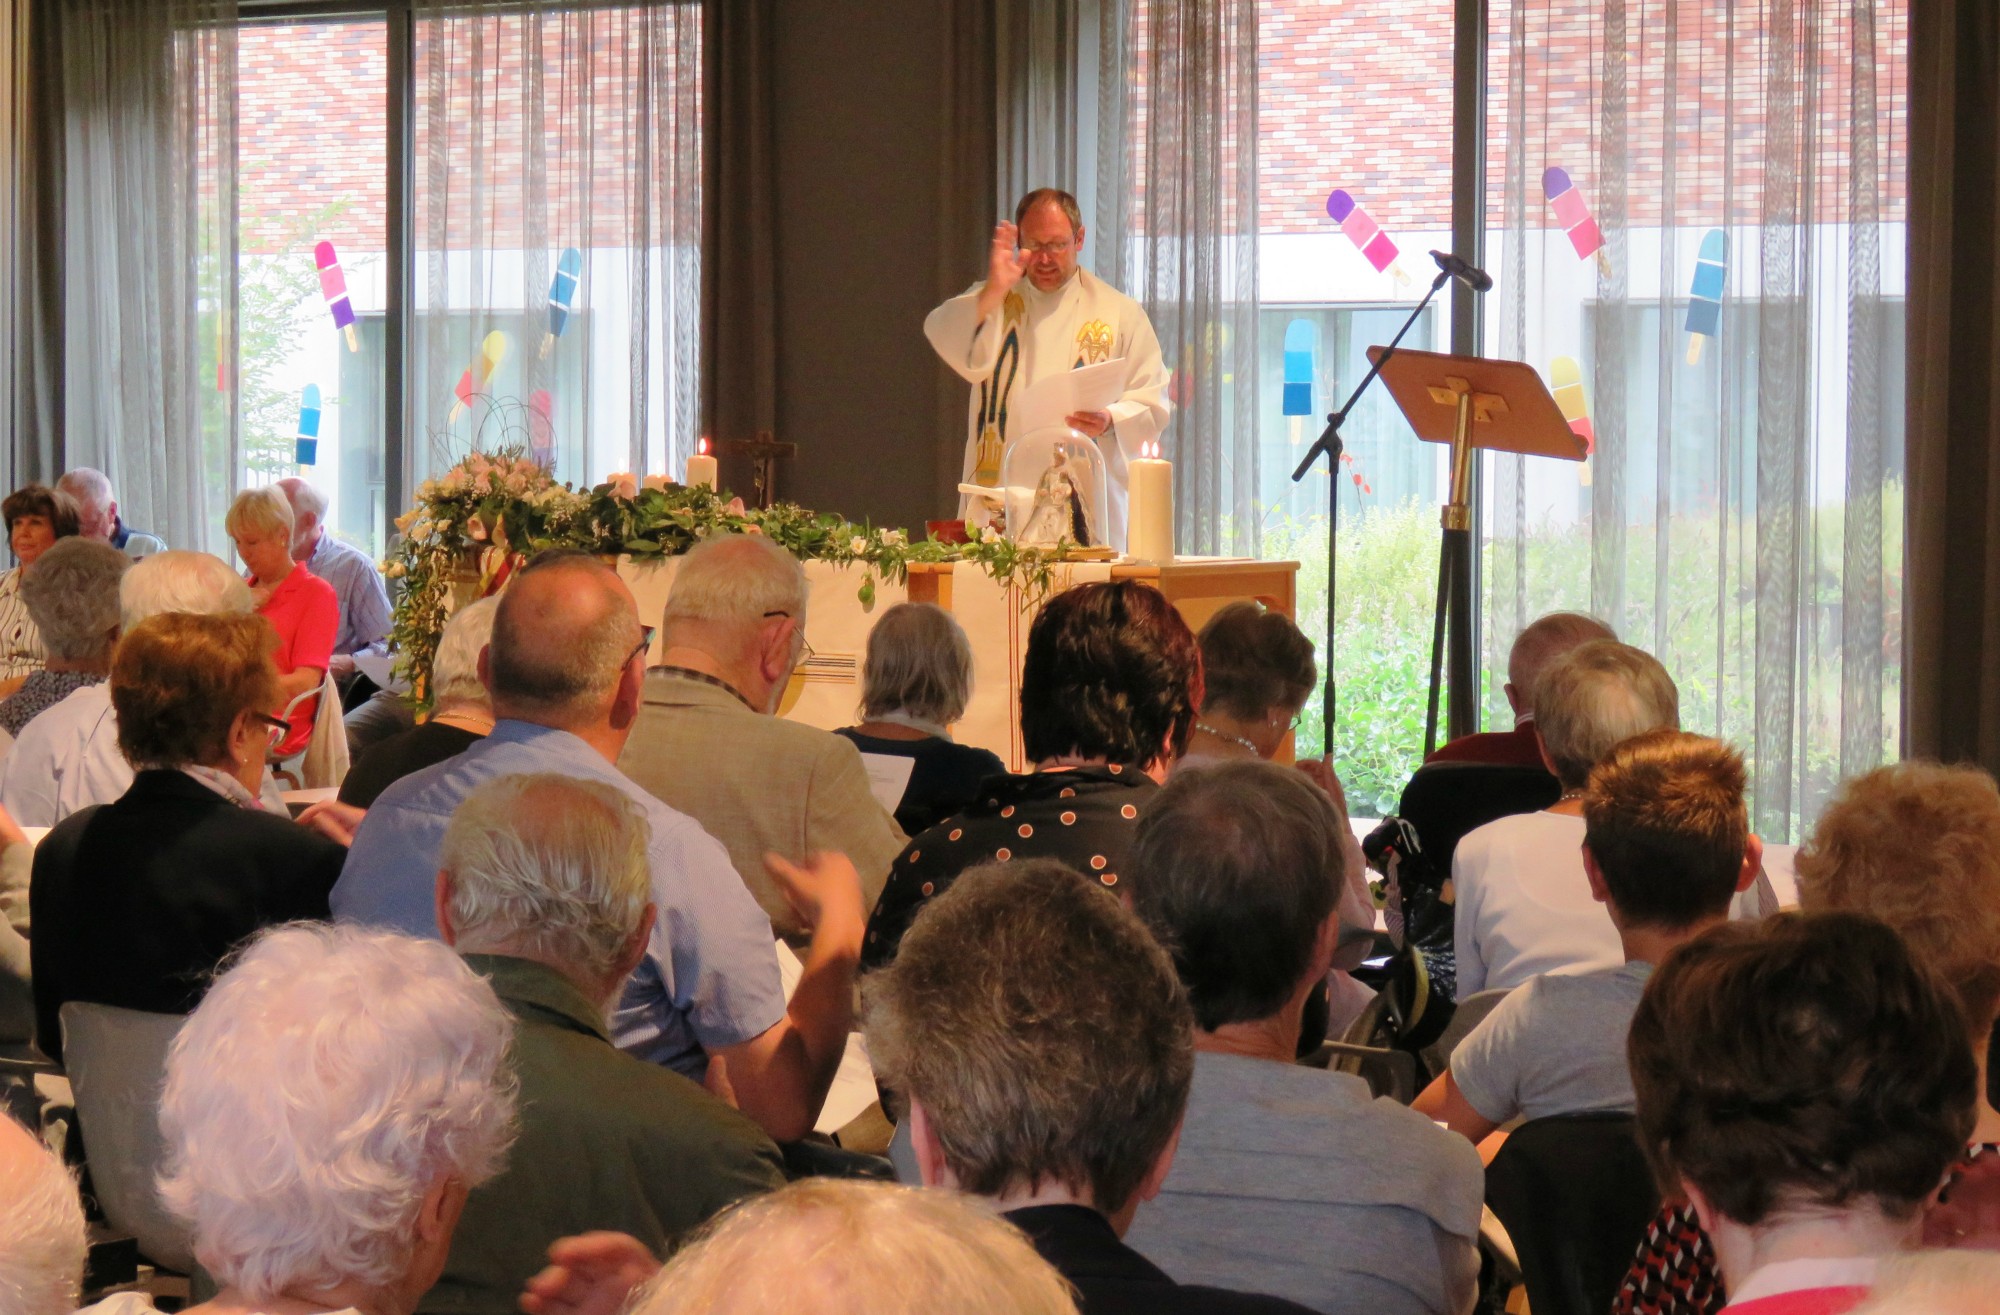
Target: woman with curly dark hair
(36,517)
(1109,690)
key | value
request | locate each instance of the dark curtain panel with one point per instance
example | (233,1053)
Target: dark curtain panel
(1952,635)
(967,168)
(739,280)
(37,328)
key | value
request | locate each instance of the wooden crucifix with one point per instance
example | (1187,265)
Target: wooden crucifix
(764,453)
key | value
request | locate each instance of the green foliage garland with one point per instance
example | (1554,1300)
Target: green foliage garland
(492,510)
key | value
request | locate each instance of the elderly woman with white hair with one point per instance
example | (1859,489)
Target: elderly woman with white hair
(915,682)
(42,1239)
(462,716)
(300,606)
(327,1110)
(68,758)
(73,598)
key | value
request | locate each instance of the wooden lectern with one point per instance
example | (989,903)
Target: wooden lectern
(1475,405)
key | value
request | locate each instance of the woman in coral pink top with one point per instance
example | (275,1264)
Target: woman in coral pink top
(1807,1086)
(300,606)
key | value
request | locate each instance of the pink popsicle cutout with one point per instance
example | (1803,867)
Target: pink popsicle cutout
(1367,235)
(1573,213)
(333,286)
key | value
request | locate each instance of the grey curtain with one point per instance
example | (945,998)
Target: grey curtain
(1952,639)
(972,199)
(1739,162)
(135,154)
(1177,228)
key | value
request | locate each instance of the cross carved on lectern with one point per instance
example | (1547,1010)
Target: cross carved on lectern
(764,453)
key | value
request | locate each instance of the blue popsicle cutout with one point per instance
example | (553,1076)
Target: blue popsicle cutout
(307,446)
(1301,357)
(562,293)
(1711,271)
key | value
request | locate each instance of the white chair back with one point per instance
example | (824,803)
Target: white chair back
(116,1060)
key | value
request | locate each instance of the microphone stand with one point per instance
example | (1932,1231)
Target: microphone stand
(1329,443)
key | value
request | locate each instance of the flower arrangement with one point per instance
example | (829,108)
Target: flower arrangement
(473,525)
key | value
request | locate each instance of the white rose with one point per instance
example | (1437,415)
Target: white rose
(894,538)
(857,545)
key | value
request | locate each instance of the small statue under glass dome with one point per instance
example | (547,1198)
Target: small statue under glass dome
(1052,490)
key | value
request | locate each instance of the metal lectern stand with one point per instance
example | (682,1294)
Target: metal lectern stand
(1472,404)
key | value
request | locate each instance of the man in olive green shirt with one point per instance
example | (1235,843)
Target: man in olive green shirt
(544,888)
(707,744)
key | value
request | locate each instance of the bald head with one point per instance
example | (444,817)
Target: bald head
(566,630)
(1546,639)
(97,510)
(308,514)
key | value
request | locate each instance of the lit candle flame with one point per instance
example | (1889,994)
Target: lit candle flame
(702,448)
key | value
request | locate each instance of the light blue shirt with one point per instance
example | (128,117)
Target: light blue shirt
(710,976)
(357,583)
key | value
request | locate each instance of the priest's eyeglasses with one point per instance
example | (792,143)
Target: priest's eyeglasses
(1061,248)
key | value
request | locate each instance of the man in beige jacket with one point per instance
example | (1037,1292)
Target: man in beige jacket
(708,742)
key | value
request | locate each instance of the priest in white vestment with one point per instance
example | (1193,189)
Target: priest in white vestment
(1037,313)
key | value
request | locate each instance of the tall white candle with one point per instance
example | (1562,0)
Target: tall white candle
(701,468)
(1149,524)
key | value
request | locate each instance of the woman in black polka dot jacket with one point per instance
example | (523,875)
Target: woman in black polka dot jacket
(1108,695)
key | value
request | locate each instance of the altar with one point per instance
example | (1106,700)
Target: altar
(996,617)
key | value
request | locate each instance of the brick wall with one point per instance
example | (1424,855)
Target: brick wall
(1353,94)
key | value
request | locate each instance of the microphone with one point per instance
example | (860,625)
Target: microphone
(1470,275)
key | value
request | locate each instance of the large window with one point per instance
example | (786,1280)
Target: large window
(539,288)
(1376,126)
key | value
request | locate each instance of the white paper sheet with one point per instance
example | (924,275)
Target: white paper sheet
(380,668)
(853,1087)
(888,777)
(1055,397)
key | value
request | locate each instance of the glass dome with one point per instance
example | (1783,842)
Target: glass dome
(1056,486)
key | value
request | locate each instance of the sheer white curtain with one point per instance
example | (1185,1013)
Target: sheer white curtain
(143,173)
(1146,110)
(1176,227)
(539,130)
(1738,339)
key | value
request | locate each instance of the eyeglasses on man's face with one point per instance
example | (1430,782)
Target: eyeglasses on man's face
(805,649)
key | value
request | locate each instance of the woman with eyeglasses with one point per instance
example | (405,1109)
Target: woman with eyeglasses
(135,902)
(1257,673)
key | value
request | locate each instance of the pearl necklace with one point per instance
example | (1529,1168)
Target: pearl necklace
(1247,743)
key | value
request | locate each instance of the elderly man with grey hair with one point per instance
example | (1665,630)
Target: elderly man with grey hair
(461,714)
(67,758)
(73,597)
(1523,904)
(1288,1179)
(543,886)
(1540,643)
(357,583)
(97,514)
(734,632)
(564,669)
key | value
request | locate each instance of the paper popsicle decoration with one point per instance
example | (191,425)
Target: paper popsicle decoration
(1301,362)
(1711,269)
(306,448)
(1365,233)
(492,351)
(1566,382)
(562,294)
(1573,213)
(333,284)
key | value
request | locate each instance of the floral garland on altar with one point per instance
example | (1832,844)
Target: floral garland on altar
(493,510)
